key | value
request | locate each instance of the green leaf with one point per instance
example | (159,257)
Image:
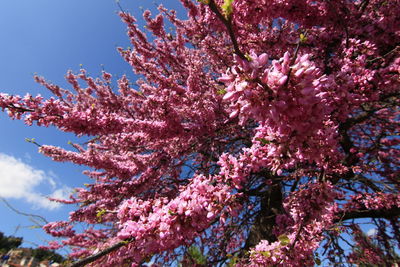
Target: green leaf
(232,260)
(263,141)
(284,239)
(195,254)
(100,214)
(317,261)
(125,242)
(227,8)
(266,253)
(221,91)
(303,38)
(170,212)
(248,57)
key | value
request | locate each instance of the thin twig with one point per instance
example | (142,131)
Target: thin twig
(24,214)
(228,24)
(294,57)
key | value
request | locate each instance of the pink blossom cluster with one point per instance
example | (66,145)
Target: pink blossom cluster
(161,224)
(58,229)
(309,212)
(374,201)
(366,252)
(279,96)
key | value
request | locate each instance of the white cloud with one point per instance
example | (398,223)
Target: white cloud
(61,193)
(372,232)
(20,181)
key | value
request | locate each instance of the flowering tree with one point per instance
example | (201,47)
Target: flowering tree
(259,133)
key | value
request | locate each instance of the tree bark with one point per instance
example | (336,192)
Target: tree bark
(262,229)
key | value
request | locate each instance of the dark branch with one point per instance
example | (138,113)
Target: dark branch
(366,114)
(228,25)
(386,214)
(24,110)
(100,254)
(20,109)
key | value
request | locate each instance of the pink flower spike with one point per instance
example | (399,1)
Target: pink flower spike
(263,59)
(282,80)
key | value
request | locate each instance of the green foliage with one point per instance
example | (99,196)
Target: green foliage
(100,214)
(227,8)
(193,257)
(248,57)
(221,91)
(263,141)
(266,253)
(9,242)
(303,38)
(233,260)
(170,212)
(195,253)
(284,239)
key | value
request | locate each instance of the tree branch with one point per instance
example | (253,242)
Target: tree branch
(20,109)
(100,254)
(228,25)
(25,214)
(366,114)
(386,214)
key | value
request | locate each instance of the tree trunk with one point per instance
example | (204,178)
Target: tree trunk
(262,229)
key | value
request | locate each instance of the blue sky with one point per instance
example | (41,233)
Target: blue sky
(48,37)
